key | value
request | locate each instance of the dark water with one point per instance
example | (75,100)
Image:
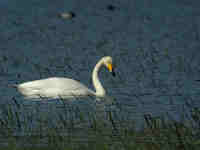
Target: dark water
(155,47)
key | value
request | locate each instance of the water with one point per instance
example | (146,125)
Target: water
(155,52)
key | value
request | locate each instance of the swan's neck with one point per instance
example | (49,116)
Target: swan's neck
(95,78)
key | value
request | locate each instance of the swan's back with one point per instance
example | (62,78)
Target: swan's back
(54,88)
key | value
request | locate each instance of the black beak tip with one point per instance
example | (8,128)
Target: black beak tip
(113,73)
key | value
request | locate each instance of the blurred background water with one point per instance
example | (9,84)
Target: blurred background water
(154,45)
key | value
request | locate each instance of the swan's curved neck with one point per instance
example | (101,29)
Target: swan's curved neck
(95,78)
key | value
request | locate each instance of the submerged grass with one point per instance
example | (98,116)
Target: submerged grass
(76,130)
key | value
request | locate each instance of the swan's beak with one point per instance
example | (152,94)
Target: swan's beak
(111,69)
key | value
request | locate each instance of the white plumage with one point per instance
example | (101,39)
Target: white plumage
(58,87)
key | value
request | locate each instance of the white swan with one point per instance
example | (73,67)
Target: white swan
(58,87)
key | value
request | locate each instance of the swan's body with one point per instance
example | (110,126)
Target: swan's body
(53,88)
(57,87)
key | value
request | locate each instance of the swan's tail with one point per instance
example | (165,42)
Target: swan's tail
(12,85)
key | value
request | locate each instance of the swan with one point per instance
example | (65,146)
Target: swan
(59,87)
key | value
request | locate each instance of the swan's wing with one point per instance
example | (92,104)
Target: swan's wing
(54,87)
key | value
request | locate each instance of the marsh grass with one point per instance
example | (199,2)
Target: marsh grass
(75,129)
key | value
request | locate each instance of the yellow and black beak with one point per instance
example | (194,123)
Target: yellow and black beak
(111,69)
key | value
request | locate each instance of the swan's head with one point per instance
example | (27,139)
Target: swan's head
(107,61)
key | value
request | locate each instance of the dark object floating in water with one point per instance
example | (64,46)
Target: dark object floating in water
(111,7)
(67,15)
